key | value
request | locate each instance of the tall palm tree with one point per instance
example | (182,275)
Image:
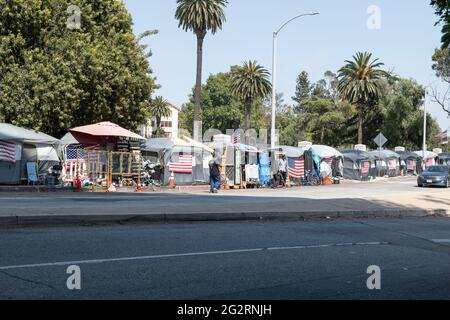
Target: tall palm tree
(159,108)
(250,81)
(359,83)
(200,16)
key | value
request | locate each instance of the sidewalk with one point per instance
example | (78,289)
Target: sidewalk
(61,209)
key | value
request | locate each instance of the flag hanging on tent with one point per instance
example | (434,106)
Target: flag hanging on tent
(411,165)
(365,167)
(392,164)
(184,164)
(7,151)
(296,168)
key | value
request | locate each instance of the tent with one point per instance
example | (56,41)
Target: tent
(412,162)
(332,157)
(300,161)
(188,161)
(387,163)
(249,158)
(429,159)
(444,158)
(24,145)
(358,165)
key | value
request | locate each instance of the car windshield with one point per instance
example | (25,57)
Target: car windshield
(438,169)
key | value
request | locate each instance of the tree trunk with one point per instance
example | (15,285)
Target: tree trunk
(198,84)
(158,123)
(360,124)
(248,113)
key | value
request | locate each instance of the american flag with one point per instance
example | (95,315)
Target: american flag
(365,168)
(237,136)
(430,162)
(296,168)
(184,164)
(7,151)
(392,164)
(79,152)
(411,165)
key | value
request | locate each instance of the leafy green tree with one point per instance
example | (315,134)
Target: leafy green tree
(442,8)
(159,108)
(53,77)
(302,90)
(359,83)
(250,82)
(200,16)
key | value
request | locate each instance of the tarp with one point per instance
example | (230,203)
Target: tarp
(264,168)
(291,152)
(384,154)
(326,152)
(405,155)
(193,143)
(106,129)
(69,139)
(428,154)
(9,132)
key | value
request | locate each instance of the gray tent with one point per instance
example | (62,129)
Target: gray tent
(30,146)
(387,163)
(444,158)
(413,162)
(358,165)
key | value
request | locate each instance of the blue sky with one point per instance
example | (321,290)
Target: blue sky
(405,42)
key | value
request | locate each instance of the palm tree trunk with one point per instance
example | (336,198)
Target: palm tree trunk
(360,124)
(248,113)
(198,84)
(158,123)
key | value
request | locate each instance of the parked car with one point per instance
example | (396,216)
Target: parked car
(435,176)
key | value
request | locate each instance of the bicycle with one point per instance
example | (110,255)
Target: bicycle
(312,179)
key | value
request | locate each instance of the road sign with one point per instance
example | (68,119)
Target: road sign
(380,140)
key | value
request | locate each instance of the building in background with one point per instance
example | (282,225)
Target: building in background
(169,124)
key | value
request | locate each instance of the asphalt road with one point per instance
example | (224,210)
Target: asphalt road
(308,260)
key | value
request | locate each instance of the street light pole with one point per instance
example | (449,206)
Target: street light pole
(424,148)
(274,75)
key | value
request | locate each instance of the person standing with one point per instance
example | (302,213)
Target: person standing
(214,175)
(282,167)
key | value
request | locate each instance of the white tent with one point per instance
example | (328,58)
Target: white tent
(326,152)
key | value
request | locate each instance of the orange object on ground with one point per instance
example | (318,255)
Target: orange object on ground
(172,181)
(327,182)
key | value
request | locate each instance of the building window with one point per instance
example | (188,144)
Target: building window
(166,124)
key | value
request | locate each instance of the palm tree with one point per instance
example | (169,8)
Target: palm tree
(359,83)
(250,81)
(159,108)
(200,16)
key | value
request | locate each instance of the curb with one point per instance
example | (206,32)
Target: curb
(86,220)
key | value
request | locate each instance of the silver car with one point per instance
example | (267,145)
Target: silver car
(438,176)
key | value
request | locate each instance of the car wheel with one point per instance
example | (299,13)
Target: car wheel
(420,185)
